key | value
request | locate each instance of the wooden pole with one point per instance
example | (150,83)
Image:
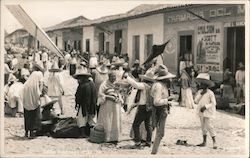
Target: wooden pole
(35,44)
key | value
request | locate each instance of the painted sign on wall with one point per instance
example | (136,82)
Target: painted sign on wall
(207,13)
(209,45)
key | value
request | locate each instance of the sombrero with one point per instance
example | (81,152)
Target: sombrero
(55,68)
(82,73)
(164,74)
(149,76)
(103,71)
(49,104)
(83,63)
(205,79)
(39,65)
(107,63)
(117,61)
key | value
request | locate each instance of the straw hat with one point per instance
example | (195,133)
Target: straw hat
(117,61)
(39,65)
(205,79)
(107,63)
(164,74)
(49,104)
(149,76)
(81,72)
(83,63)
(136,62)
(12,78)
(55,68)
(102,69)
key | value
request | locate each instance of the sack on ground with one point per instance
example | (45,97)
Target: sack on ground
(66,128)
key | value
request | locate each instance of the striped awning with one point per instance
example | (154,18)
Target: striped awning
(24,19)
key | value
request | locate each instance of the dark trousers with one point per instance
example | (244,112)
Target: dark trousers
(160,116)
(32,119)
(142,115)
(72,69)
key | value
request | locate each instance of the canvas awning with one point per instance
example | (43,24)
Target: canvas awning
(24,19)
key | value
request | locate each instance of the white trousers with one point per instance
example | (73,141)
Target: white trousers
(207,126)
(82,121)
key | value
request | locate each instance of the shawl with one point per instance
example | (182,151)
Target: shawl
(86,98)
(32,90)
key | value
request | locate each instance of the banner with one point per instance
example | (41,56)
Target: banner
(209,45)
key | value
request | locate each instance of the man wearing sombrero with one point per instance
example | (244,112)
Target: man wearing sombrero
(144,103)
(161,96)
(55,87)
(85,100)
(206,107)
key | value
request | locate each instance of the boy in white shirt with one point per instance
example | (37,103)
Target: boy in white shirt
(206,107)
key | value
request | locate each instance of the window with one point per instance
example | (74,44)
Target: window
(65,45)
(87,45)
(101,42)
(118,41)
(235,48)
(107,47)
(79,45)
(136,47)
(56,41)
(148,45)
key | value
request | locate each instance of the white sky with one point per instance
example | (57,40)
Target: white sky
(47,13)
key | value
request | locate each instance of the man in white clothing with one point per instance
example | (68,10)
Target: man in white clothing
(206,107)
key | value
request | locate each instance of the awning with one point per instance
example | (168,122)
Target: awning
(32,28)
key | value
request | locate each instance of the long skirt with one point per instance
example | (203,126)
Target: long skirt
(6,78)
(72,69)
(32,119)
(187,98)
(110,118)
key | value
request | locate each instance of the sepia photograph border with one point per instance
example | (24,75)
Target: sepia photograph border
(247,51)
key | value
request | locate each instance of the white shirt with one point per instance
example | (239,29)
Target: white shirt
(44,57)
(240,76)
(159,92)
(140,86)
(208,100)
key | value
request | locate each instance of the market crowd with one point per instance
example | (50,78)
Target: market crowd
(108,85)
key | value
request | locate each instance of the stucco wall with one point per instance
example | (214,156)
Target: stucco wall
(142,26)
(172,30)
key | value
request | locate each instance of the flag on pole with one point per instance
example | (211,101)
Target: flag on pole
(156,50)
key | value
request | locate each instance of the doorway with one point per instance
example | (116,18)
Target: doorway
(235,48)
(136,48)
(118,42)
(185,48)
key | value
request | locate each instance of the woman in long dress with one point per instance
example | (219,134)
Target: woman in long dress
(186,91)
(32,91)
(110,109)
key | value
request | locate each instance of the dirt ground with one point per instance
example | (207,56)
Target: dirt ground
(181,124)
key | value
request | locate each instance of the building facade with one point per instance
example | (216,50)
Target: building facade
(215,41)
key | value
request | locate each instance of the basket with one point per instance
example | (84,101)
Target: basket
(97,134)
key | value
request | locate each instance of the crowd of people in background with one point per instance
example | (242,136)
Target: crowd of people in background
(105,88)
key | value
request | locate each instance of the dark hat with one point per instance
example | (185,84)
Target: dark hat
(82,73)
(55,68)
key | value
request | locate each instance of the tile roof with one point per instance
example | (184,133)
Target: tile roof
(143,9)
(78,21)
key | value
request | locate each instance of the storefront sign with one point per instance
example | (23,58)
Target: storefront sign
(207,13)
(234,24)
(209,46)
